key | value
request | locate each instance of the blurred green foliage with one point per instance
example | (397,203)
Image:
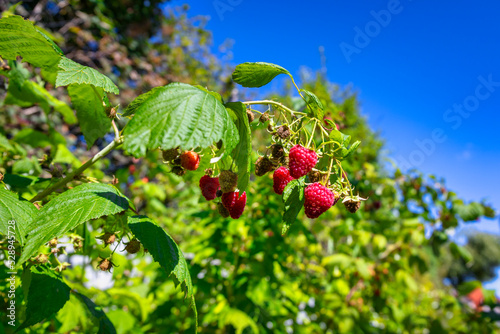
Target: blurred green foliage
(376,271)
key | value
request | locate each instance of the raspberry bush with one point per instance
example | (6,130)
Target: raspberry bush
(257,165)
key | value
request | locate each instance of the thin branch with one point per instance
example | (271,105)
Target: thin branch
(114,144)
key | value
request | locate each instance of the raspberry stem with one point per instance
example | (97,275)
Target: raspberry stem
(279,105)
(312,135)
(114,144)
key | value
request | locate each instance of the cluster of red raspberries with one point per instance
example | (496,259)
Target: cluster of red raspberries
(232,203)
(301,161)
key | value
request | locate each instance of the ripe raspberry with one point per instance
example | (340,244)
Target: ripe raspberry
(222,210)
(318,199)
(281,177)
(263,165)
(228,181)
(190,160)
(302,160)
(234,203)
(209,186)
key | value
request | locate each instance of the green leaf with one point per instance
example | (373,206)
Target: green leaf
(12,209)
(90,111)
(339,137)
(256,74)
(26,93)
(73,73)
(239,320)
(105,325)
(338,259)
(293,197)
(70,209)
(470,212)
(314,104)
(178,115)
(163,249)
(347,152)
(468,287)
(18,37)
(242,152)
(138,101)
(47,295)
(460,252)
(32,138)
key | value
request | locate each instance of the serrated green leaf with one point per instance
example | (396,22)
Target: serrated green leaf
(242,151)
(73,73)
(293,197)
(18,37)
(178,115)
(138,101)
(256,74)
(47,295)
(13,209)
(314,104)
(70,209)
(163,249)
(105,325)
(87,101)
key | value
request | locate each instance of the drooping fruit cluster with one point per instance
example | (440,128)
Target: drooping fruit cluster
(318,199)
(224,186)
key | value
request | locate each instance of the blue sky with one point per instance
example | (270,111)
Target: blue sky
(420,67)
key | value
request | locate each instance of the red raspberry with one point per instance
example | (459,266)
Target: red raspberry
(209,186)
(234,203)
(302,160)
(281,177)
(190,160)
(318,199)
